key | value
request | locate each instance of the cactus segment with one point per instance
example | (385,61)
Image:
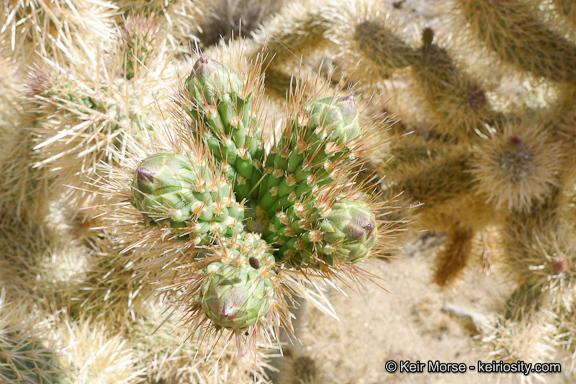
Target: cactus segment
(338,119)
(236,297)
(53,93)
(455,102)
(311,149)
(517,166)
(215,84)
(221,101)
(138,43)
(170,188)
(125,105)
(23,359)
(311,233)
(519,38)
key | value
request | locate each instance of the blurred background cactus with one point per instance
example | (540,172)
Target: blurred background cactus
(485,137)
(176,176)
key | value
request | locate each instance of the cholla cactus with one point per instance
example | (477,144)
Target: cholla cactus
(178,19)
(227,273)
(138,43)
(25,355)
(187,196)
(190,193)
(34,29)
(83,114)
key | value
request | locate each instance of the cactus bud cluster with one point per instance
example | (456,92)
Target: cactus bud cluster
(350,229)
(298,216)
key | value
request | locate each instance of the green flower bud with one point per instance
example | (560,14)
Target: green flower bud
(351,230)
(164,182)
(337,118)
(169,188)
(236,297)
(212,82)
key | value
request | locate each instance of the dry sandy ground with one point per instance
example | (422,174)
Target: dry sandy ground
(406,322)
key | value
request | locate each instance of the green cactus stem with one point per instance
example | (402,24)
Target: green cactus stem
(314,233)
(54,93)
(316,145)
(138,43)
(25,360)
(222,102)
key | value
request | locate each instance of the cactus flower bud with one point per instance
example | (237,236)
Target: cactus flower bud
(163,182)
(169,188)
(351,229)
(235,297)
(338,117)
(211,82)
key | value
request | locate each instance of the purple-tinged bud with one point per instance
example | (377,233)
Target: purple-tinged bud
(351,229)
(235,297)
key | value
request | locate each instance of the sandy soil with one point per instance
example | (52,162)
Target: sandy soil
(404,322)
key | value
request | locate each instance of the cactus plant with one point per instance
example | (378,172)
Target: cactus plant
(234,279)
(182,186)
(193,198)
(24,356)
